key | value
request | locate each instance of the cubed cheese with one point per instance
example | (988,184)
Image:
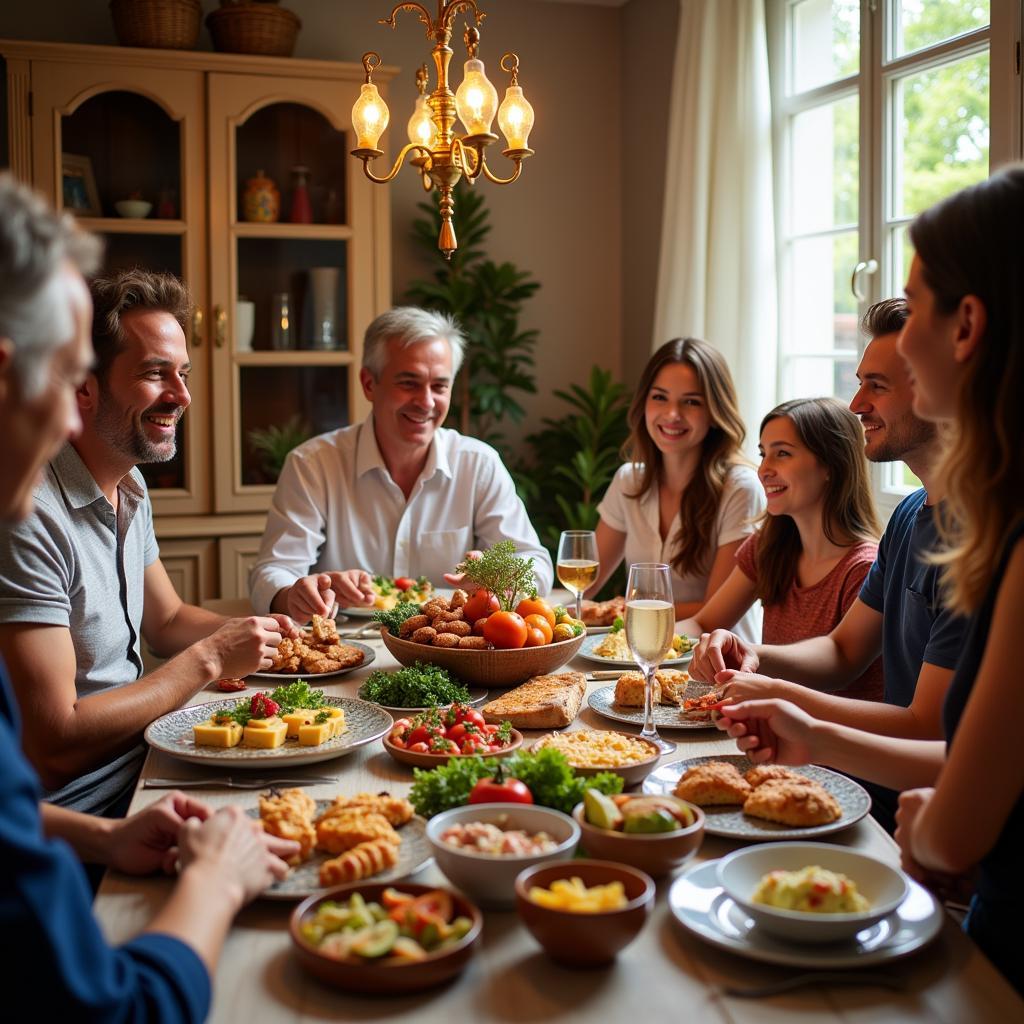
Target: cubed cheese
(210,734)
(296,719)
(265,733)
(336,718)
(313,735)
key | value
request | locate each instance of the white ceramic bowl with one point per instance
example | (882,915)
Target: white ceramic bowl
(884,887)
(490,880)
(133,208)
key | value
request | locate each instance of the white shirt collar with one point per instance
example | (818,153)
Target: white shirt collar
(368,455)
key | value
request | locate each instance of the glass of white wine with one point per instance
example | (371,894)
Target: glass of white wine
(650,623)
(577,563)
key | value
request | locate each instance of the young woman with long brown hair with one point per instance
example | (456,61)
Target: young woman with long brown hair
(686,496)
(819,535)
(964,345)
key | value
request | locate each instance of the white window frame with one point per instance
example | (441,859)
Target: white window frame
(875,83)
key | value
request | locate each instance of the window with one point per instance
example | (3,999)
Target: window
(882,107)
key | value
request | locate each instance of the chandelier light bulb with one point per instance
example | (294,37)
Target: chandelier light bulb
(421,125)
(370,116)
(515,118)
(476,99)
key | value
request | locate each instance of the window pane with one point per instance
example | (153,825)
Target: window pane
(900,254)
(921,23)
(826,42)
(824,155)
(941,118)
(804,377)
(821,312)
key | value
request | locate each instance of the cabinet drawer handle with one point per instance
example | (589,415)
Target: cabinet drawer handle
(197,327)
(220,329)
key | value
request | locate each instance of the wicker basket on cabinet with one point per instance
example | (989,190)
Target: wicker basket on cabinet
(262,28)
(160,24)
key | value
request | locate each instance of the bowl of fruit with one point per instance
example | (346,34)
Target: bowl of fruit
(500,634)
(656,834)
(432,736)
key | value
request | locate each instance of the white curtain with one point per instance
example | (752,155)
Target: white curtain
(716,275)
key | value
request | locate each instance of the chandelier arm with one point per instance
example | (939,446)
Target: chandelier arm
(501,181)
(471,159)
(409,5)
(397,166)
(453,8)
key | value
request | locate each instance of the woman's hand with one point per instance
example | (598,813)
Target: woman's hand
(740,686)
(148,840)
(771,730)
(720,650)
(912,802)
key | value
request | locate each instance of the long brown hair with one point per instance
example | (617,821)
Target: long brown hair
(834,436)
(720,450)
(970,244)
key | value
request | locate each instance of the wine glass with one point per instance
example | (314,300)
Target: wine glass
(577,563)
(650,623)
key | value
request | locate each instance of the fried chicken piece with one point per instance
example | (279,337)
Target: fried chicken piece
(360,862)
(288,814)
(324,630)
(762,773)
(793,803)
(446,640)
(395,808)
(603,613)
(458,599)
(286,651)
(473,643)
(339,832)
(413,623)
(424,635)
(713,783)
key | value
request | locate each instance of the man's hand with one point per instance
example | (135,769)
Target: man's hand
(719,650)
(771,730)
(288,627)
(242,646)
(740,686)
(148,840)
(317,594)
(458,579)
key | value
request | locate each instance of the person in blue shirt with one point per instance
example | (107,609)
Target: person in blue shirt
(898,614)
(58,963)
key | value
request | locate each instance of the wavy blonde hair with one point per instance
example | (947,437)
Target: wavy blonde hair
(971,244)
(720,450)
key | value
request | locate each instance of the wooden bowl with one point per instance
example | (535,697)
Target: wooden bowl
(487,668)
(585,940)
(418,759)
(631,774)
(659,854)
(376,978)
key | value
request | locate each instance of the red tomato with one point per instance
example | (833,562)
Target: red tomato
(457,732)
(421,734)
(473,717)
(490,730)
(473,745)
(534,637)
(506,630)
(230,685)
(537,621)
(479,605)
(500,790)
(537,606)
(396,741)
(478,627)
(402,724)
(419,748)
(404,582)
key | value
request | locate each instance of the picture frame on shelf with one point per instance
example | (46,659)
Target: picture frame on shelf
(78,186)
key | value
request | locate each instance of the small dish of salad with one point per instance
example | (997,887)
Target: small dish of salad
(433,736)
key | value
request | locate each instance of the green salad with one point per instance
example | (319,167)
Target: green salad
(415,686)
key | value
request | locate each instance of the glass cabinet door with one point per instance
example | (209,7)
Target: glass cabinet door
(293,280)
(126,157)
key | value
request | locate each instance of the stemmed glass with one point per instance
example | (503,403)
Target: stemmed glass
(577,563)
(650,623)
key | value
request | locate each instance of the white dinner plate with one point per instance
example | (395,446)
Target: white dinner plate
(369,655)
(730,821)
(701,906)
(364,723)
(304,880)
(367,613)
(666,716)
(594,640)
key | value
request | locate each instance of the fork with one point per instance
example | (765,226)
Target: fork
(233,782)
(796,981)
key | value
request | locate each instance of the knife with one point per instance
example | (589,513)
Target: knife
(608,673)
(235,782)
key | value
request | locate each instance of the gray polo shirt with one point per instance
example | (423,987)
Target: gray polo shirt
(76,563)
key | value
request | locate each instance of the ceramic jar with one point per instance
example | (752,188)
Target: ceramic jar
(261,202)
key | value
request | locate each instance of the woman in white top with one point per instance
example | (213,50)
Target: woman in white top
(686,496)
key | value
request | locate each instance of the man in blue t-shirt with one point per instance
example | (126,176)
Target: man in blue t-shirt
(898,614)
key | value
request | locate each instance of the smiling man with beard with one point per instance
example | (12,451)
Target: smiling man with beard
(81,581)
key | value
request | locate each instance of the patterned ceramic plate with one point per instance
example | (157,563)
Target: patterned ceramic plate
(852,798)
(666,716)
(172,734)
(367,613)
(595,640)
(302,881)
(369,655)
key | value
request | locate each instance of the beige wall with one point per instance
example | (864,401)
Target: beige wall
(587,230)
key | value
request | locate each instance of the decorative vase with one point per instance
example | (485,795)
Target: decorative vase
(302,209)
(245,321)
(323,283)
(261,202)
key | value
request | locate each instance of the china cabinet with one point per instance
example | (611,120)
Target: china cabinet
(199,143)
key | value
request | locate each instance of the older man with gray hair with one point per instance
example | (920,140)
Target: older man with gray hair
(396,495)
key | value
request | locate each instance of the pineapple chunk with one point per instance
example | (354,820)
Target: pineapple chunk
(266,733)
(210,734)
(317,733)
(296,719)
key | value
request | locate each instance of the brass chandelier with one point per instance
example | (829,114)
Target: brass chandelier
(442,157)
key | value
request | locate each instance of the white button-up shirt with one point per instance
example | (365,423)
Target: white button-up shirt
(336,507)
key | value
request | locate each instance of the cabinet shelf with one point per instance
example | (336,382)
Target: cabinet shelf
(295,357)
(132,226)
(320,232)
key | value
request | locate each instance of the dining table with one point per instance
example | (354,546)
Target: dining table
(666,974)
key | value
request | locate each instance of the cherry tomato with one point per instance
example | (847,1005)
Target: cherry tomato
(536,606)
(538,621)
(534,637)
(479,605)
(230,685)
(490,730)
(473,745)
(478,627)
(396,741)
(421,734)
(457,732)
(473,717)
(419,748)
(402,724)
(506,630)
(404,582)
(500,790)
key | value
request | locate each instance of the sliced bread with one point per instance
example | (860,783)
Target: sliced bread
(543,702)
